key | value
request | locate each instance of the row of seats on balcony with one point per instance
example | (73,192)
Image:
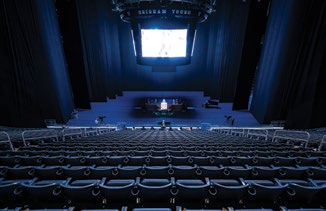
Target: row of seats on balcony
(103,140)
(169,190)
(160,160)
(214,140)
(177,208)
(178,153)
(145,140)
(189,172)
(167,143)
(146,137)
(177,134)
(163,148)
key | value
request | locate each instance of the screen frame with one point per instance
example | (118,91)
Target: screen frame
(168,25)
(157,47)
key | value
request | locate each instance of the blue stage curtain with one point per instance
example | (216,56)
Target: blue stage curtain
(69,27)
(225,43)
(273,61)
(99,35)
(256,25)
(306,100)
(34,80)
(291,65)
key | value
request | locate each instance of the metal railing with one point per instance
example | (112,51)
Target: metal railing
(238,132)
(90,131)
(257,133)
(322,142)
(294,136)
(39,134)
(71,132)
(5,138)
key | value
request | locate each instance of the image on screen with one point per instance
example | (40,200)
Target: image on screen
(164,42)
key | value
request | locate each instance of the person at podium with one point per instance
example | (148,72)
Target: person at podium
(164,105)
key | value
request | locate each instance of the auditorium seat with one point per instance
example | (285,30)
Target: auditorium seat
(261,209)
(16,209)
(264,192)
(82,191)
(300,190)
(157,171)
(155,190)
(12,191)
(54,161)
(97,160)
(158,153)
(185,209)
(77,172)
(225,161)
(44,191)
(288,172)
(117,160)
(264,172)
(201,161)
(127,172)
(110,172)
(160,161)
(120,190)
(227,191)
(234,172)
(191,190)
(151,209)
(212,172)
(58,209)
(284,208)
(100,210)
(10,161)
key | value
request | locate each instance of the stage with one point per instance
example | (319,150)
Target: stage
(128,110)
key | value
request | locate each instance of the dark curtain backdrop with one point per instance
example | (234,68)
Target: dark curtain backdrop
(69,27)
(256,24)
(288,84)
(306,100)
(280,45)
(99,36)
(227,28)
(34,80)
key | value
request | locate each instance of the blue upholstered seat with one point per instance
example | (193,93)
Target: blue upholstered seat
(119,190)
(82,190)
(227,190)
(191,190)
(155,190)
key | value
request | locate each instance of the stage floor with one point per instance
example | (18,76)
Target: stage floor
(124,109)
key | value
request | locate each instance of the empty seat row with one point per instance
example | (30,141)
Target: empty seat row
(177,208)
(189,172)
(168,190)
(210,152)
(160,160)
(162,143)
(198,147)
